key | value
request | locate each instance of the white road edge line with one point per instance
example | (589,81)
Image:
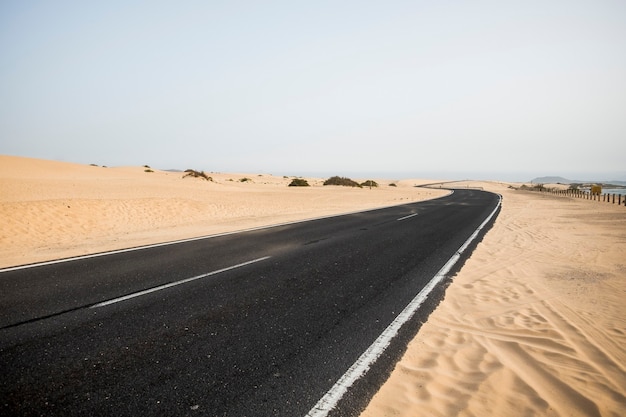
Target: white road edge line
(367,359)
(172,284)
(407,217)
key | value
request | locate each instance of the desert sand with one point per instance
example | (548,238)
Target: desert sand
(54,210)
(534,324)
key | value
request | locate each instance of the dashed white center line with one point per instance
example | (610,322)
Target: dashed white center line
(407,217)
(172,284)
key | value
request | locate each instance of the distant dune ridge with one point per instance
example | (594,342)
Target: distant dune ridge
(533,324)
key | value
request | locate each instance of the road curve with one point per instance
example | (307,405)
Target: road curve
(259,323)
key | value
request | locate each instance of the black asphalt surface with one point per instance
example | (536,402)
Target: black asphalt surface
(267,338)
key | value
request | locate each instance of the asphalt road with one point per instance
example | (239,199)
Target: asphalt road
(258,323)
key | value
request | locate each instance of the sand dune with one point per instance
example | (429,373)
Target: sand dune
(54,209)
(533,325)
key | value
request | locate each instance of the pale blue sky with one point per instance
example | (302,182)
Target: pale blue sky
(467,88)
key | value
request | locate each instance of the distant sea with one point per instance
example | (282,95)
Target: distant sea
(621,191)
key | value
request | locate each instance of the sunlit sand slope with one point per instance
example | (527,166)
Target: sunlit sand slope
(54,209)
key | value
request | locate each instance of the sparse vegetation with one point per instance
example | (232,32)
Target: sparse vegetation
(245,179)
(533,187)
(369,183)
(347,182)
(148,170)
(393,185)
(299,182)
(197,174)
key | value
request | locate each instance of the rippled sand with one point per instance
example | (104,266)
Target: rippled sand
(533,325)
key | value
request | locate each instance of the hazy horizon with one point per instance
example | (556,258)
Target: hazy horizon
(435,175)
(470,88)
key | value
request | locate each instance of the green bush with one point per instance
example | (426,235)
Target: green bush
(369,183)
(533,187)
(347,182)
(299,182)
(197,174)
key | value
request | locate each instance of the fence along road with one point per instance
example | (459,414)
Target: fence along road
(613,198)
